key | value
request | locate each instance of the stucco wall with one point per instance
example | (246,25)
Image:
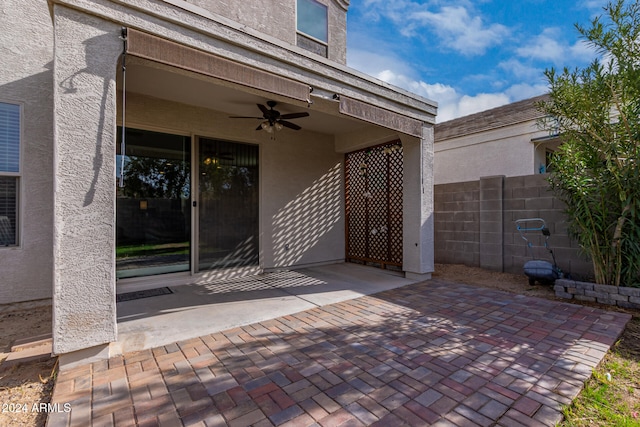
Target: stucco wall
(86,53)
(258,14)
(301,201)
(26,79)
(278,19)
(417,205)
(505,151)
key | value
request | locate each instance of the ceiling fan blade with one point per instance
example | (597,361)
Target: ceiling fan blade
(223,156)
(294,115)
(259,127)
(262,108)
(289,125)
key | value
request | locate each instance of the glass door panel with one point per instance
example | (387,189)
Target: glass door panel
(153,208)
(227,204)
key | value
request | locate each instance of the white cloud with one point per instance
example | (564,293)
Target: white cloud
(451,103)
(374,63)
(550,46)
(545,47)
(392,69)
(593,5)
(456,25)
(521,91)
(481,102)
(437,92)
(458,29)
(582,51)
(521,70)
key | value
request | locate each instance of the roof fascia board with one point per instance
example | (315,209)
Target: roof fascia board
(488,129)
(514,132)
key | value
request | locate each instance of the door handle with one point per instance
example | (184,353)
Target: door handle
(194,204)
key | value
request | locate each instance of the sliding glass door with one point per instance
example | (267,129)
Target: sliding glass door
(153,206)
(227,204)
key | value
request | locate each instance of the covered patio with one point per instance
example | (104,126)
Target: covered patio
(163,175)
(190,311)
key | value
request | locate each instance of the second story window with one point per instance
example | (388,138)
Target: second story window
(312,26)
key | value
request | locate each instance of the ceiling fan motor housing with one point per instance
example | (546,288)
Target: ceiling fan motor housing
(273,117)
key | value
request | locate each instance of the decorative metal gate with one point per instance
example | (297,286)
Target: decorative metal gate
(373,192)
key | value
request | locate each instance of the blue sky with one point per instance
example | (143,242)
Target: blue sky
(468,55)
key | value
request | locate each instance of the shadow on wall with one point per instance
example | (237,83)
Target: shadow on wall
(95,68)
(304,221)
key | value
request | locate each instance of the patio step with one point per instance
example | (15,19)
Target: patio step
(33,349)
(30,342)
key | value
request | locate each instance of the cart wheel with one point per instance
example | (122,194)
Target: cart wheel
(532,281)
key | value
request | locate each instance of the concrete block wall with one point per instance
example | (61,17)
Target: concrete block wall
(491,222)
(530,197)
(457,223)
(475,225)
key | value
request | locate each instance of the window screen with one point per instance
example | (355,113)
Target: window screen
(9,137)
(9,168)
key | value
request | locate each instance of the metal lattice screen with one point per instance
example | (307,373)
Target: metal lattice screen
(373,203)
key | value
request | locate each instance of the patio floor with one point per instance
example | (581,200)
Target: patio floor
(200,309)
(432,353)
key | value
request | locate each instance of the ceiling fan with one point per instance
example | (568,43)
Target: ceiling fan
(273,119)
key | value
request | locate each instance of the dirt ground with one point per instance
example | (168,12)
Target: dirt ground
(22,386)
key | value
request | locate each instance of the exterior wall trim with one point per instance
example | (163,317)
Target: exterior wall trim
(379,116)
(344,4)
(174,54)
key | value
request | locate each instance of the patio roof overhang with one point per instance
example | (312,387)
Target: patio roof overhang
(239,77)
(254,66)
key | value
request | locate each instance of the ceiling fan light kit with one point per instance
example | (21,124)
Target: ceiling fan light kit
(272,119)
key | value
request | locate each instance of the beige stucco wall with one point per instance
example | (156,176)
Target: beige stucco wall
(84,306)
(507,151)
(417,204)
(301,190)
(26,79)
(278,19)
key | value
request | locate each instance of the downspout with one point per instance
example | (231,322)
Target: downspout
(123,144)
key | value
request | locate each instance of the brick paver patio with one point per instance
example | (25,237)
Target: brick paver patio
(434,353)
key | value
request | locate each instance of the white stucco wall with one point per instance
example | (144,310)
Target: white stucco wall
(26,79)
(504,151)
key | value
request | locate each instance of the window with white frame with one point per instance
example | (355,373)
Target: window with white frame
(312,26)
(9,172)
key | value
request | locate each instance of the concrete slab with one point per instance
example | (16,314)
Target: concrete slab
(196,310)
